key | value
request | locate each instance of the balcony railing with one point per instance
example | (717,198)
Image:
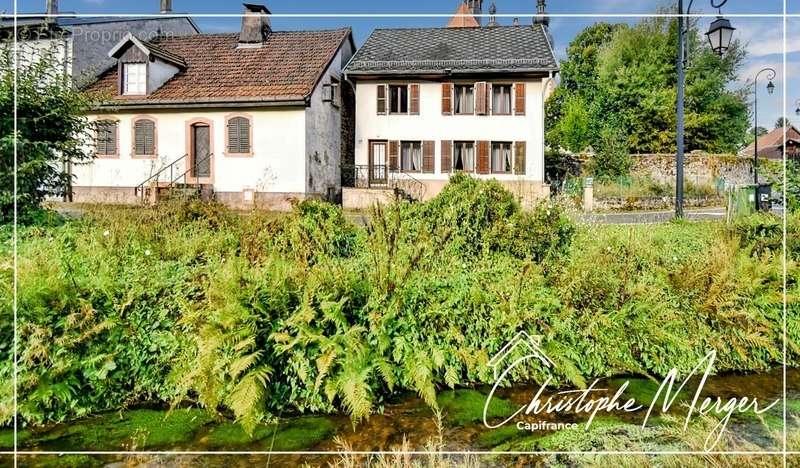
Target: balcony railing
(365,176)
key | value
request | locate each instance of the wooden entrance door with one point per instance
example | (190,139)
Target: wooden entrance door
(201,151)
(377,163)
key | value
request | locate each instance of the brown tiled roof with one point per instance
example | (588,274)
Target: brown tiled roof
(286,68)
(771,144)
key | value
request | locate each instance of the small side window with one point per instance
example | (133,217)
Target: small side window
(331,92)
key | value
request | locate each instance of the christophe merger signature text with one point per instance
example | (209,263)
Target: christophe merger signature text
(588,402)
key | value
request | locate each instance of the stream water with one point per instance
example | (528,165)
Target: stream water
(409,423)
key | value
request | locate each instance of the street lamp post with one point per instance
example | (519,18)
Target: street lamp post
(770,89)
(719,36)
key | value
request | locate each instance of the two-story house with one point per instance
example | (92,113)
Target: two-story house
(253,118)
(434,101)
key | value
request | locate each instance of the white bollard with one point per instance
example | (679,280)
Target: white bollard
(588,195)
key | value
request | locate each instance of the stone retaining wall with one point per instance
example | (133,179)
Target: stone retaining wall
(654,203)
(699,168)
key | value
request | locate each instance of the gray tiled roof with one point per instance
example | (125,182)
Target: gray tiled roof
(460,50)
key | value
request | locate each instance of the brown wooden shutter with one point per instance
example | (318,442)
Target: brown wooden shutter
(239,135)
(413,91)
(106,137)
(233,135)
(484,166)
(519,100)
(381,99)
(447,156)
(244,135)
(447,98)
(394,155)
(428,155)
(519,157)
(481,100)
(144,138)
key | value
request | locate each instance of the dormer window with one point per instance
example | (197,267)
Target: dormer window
(134,80)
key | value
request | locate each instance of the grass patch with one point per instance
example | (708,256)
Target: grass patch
(294,434)
(61,461)
(301,433)
(7,438)
(461,407)
(137,429)
(495,437)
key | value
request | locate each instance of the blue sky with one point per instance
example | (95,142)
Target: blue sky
(763,35)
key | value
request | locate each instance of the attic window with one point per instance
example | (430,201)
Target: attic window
(134,79)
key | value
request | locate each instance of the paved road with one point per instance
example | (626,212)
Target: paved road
(651,217)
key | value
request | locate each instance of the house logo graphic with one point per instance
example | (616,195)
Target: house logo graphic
(525,343)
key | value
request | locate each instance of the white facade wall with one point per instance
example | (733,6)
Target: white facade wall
(277,164)
(431,124)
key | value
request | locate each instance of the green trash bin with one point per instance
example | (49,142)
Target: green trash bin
(745,200)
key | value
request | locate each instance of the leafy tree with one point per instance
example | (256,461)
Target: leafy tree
(782,122)
(760,131)
(612,159)
(573,128)
(52,131)
(578,79)
(626,77)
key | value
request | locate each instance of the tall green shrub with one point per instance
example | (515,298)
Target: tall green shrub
(52,131)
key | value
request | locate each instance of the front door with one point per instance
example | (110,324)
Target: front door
(201,151)
(377,163)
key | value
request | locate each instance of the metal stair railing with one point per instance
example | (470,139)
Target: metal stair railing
(140,189)
(187,172)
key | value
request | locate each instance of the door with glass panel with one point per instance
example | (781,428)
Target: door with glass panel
(377,163)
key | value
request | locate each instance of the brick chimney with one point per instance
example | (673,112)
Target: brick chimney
(255,25)
(52,7)
(166,6)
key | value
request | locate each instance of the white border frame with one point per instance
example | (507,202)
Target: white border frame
(784,453)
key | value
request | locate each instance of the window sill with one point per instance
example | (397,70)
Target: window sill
(501,114)
(238,155)
(106,156)
(144,156)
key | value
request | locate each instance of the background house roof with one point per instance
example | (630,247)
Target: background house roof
(771,144)
(286,68)
(522,49)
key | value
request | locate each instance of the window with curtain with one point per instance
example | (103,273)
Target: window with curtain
(501,158)
(239,135)
(501,99)
(144,138)
(465,99)
(411,156)
(464,156)
(106,144)
(399,99)
(134,78)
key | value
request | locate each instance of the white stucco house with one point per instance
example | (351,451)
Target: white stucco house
(251,118)
(434,101)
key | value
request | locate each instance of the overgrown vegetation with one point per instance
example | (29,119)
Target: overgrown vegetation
(51,130)
(259,316)
(618,83)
